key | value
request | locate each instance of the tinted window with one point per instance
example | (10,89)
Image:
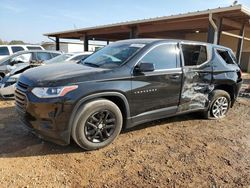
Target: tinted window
(4,51)
(226,56)
(34,48)
(194,54)
(42,56)
(163,57)
(17,49)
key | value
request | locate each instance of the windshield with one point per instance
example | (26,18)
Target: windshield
(113,55)
(59,58)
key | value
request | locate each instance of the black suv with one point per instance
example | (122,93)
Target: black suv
(125,84)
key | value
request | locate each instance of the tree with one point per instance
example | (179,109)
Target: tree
(16,42)
(3,42)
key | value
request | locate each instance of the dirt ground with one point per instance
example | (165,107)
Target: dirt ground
(184,151)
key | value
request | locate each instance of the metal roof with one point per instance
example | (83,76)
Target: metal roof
(239,7)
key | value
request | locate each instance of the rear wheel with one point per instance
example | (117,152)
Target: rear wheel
(220,104)
(97,124)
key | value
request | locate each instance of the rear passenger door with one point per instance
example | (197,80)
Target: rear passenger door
(197,76)
(157,92)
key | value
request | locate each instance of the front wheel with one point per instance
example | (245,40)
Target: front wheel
(220,104)
(97,124)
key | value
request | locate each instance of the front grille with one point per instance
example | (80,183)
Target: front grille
(23,87)
(20,97)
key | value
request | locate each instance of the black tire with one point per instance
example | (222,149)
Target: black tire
(90,120)
(221,108)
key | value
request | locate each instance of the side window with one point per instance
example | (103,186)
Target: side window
(194,54)
(34,48)
(17,49)
(226,56)
(163,57)
(4,51)
(43,56)
(54,54)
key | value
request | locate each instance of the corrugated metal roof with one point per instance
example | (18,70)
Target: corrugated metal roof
(197,13)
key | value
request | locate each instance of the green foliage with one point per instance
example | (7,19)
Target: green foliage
(11,42)
(16,42)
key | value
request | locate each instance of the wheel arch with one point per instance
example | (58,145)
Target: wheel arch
(118,98)
(230,89)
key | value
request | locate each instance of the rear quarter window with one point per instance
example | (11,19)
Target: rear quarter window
(194,54)
(4,51)
(226,56)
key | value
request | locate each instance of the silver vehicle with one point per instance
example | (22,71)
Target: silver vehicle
(69,57)
(33,56)
(7,86)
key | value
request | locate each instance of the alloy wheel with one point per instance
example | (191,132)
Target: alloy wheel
(220,107)
(100,126)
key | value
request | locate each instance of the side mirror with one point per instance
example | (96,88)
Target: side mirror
(145,67)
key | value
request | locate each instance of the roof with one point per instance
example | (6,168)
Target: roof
(236,12)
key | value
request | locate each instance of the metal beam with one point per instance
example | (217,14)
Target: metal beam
(57,44)
(240,43)
(86,43)
(210,34)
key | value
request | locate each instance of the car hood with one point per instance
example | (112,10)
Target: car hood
(63,73)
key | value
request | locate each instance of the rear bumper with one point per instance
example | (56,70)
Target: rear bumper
(237,92)
(48,120)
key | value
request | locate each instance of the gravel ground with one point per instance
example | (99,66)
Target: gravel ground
(183,151)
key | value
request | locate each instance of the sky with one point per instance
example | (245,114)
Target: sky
(28,20)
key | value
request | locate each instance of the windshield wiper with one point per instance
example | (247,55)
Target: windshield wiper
(91,64)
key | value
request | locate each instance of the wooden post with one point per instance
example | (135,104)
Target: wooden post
(133,33)
(240,43)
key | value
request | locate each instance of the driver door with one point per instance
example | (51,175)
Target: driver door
(157,93)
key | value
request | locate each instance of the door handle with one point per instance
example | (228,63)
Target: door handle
(175,76)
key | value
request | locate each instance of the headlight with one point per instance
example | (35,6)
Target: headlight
(50,92)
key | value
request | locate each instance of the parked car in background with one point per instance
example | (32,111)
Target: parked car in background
(33,56)
(125,84)
(7,86)
(6,50)
(69,57)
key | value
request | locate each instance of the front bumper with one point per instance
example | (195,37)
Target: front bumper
(7,92)
(47,118)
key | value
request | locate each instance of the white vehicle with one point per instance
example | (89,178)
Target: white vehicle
(6,50)
(69,58)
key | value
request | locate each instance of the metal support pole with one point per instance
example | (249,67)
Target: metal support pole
(57,44)
(240,43)
(220,26)
(86,43)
